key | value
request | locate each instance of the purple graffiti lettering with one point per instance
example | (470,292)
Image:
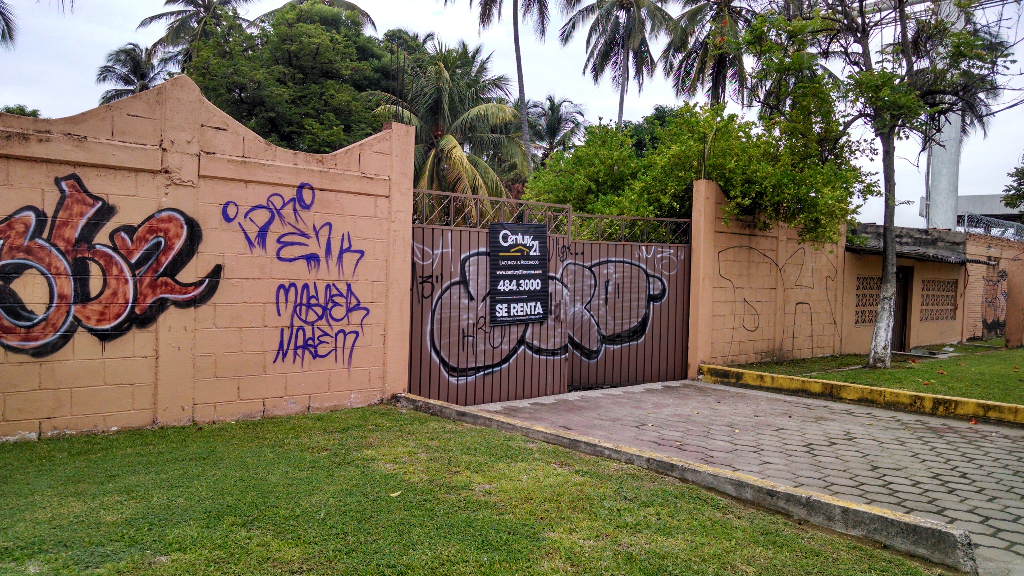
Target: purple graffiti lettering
(296,239)
(315,318)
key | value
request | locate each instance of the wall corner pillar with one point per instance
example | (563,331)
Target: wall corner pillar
(399,312)
(702,283)
(1014,303)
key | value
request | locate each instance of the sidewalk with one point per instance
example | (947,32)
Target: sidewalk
(971,476)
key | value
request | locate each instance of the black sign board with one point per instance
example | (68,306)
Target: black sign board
(518,274)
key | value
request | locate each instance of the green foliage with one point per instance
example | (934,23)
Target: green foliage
(298,82)
(1013,194)
(619,36)
(592,176)
(20,110)
(771,172)
(465,127)
(131,69)
(704,50)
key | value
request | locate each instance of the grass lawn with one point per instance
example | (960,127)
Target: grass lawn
(379,491)
(981,373)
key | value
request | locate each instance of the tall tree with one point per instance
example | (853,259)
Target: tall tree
(458,109)
(132,69)
(555,124)
(937,61)
(539,12)
(190,22)
(362,15)
(704,49)
(619,37)
(298,81)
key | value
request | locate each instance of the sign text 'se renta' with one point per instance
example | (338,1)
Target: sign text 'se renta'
(518,274)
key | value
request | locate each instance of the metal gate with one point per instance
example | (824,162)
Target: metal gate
(619,303)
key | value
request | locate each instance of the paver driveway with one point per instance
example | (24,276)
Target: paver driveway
(968,475)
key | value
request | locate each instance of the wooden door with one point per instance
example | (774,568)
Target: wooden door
(900,325)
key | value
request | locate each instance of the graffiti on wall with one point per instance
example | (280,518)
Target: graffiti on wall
(602,304)
(744,269)
(324,320)
(138,271)
(297,236)
(993,317)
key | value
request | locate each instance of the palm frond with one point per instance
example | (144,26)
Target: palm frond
(8,25)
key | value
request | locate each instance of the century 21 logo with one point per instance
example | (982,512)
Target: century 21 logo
(525,245)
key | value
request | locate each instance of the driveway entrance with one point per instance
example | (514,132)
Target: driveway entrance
(971,476)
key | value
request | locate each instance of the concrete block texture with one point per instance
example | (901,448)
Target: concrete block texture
(758,294)
(279,276)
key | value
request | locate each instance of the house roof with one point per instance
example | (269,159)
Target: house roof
(915,243)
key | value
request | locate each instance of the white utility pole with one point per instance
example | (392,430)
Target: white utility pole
(942,185)
(943,176)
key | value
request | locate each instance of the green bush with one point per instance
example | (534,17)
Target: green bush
(772,171)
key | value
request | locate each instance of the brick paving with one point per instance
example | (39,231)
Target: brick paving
(971,476)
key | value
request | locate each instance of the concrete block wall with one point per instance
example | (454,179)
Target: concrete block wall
(161,264)
(758,295)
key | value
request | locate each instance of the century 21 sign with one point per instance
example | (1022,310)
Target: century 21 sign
(518,274)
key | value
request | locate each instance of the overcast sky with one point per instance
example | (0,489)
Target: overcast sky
(54,66)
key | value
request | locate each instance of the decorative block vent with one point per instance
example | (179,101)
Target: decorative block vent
(938,300)
(869,291)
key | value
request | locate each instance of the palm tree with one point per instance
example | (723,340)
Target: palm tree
(8,26)
(620,31)
(556,124)
(704,49)
(538,10)
(362,15)
(133,69)
(458,110)
(193,20)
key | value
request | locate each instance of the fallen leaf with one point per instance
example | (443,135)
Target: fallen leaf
(912,361)
(396,494)
(973,421)
(927,383)
(940,371)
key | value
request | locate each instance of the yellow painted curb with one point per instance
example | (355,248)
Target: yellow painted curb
(858,393)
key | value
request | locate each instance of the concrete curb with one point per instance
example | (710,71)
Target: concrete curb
(932,404)
(934,541)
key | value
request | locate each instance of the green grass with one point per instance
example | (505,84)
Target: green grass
(380,491)
(981,373)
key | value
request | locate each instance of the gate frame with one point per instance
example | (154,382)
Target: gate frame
(452,211)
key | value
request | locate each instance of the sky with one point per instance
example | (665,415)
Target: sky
(58,52)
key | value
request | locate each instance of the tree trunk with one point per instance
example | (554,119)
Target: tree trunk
(880,355)
(624,84)
(523,104)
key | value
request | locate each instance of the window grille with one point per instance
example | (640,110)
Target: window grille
(869,291)
(938,300)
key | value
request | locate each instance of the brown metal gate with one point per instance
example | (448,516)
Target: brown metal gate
(619,303)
